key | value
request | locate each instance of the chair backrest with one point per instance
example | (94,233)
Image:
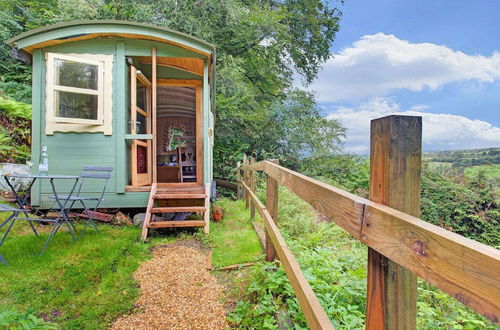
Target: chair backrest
(96,172)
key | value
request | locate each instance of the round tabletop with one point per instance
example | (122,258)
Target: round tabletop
(40,176)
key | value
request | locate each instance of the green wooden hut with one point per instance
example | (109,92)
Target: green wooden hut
(137,97)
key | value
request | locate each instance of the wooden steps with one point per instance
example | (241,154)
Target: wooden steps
(175,223)
(178,209)
(180,196)
(173,199)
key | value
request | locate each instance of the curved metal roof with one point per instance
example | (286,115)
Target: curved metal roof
(75,30)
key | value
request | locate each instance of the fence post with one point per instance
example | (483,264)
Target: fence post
(395,167)
(253,188)
(272,198)
(245,180)
(239,194)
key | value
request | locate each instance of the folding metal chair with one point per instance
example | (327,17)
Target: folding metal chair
(11,219)
(89,172)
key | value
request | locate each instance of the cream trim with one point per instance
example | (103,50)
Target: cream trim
(105,94)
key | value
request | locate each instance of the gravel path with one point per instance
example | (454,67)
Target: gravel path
(177,292)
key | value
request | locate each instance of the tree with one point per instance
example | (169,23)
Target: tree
(261,45)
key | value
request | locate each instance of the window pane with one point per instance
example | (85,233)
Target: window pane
(142,124)
(74,74)
(142,159)
(74,105)
(141,96)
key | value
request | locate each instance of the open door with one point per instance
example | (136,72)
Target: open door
(140,123)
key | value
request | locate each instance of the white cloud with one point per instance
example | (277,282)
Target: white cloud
(440,131)
(380,63)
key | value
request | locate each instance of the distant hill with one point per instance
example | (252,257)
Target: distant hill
(465,158)
(467,162)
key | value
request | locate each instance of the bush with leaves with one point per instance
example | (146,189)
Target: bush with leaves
(334,263)
(16,320)
(15,123)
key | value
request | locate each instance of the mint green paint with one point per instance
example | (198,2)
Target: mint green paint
(68,29)
(36,115)
(206,110)
(138,136)
(69,152)
(143,48)
(120,116)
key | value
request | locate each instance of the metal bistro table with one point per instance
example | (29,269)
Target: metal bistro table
(22,201)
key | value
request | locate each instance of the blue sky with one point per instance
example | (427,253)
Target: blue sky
(439,59)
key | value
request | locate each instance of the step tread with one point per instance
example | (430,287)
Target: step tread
(176,223)
(178,209)
(180,196)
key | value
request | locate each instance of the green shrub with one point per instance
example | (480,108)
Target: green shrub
(15,132)
(16,320)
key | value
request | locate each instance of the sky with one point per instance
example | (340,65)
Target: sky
(439,59)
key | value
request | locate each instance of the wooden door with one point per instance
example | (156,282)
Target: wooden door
(140,124)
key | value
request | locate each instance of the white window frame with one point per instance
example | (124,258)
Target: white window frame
(103,124)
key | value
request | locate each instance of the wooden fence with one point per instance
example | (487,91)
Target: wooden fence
(401,246)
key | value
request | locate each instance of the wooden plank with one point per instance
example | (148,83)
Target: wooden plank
(119,111)
(174,223)
(395,165)
(199,137)
(180,196)
(180,82)
(234,267)
(153,113)
(272,197)
(147,219)
(193,65)
(178,209)
(463,268)
(309,304)
(133,99)
(252,186)
(260,233)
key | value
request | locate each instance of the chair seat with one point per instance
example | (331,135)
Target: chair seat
(74,198)
(8,208)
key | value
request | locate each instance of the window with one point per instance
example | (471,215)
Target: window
(78,93)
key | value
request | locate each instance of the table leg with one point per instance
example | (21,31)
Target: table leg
(22,201)
(7,231)
(62,206)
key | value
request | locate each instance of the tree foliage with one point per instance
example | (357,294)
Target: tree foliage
(262,46)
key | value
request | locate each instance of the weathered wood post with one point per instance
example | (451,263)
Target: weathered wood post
(253,188)
(395,166)
(245,179)
(239,193)
(272,197)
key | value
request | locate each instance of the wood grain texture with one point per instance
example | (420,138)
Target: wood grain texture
(313,312)
(253,187)
(175,224)
(147,219)
(272,198)
(154,107)
(245,179)
(395,163)
(463,268)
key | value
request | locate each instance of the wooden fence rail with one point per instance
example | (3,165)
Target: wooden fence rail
(465,269)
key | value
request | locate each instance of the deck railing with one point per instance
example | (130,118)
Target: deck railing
(401,246)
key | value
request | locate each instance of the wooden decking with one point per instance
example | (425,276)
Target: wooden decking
(172,199)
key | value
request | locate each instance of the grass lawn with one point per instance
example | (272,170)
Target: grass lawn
(234,240)
(77,284)
(491,171)
(88,282)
